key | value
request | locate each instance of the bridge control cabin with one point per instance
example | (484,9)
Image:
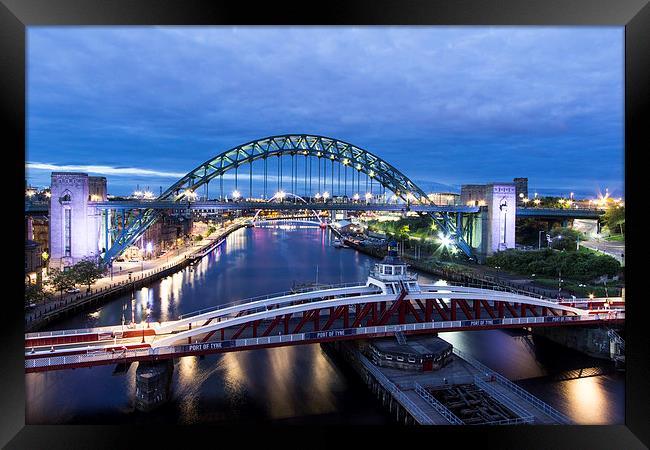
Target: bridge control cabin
(391,273)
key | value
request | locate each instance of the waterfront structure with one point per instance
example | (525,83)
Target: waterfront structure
(422,353)
(497,231)
(75,226)
(502,203)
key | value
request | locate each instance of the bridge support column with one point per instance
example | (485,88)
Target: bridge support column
(152,384)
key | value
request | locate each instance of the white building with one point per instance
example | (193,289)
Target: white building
(76,227)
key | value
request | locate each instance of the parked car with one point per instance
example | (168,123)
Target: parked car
(73,291)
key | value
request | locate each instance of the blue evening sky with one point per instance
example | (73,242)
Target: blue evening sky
(445,105)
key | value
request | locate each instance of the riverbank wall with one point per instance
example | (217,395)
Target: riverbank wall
(69,307)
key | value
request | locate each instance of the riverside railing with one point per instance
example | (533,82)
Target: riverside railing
(439,407)
(513,387)
(524,416)
(406,402)
(270,296)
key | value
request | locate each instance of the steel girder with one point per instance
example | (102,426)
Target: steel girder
(291,144)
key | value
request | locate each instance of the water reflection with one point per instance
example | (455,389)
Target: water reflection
(284,383)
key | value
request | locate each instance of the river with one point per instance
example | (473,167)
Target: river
(300,384)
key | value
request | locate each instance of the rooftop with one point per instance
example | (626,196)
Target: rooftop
(415,345)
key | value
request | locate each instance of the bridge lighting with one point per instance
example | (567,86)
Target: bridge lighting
(355,196)
(137,194)
(371,173)
(48,194)
(148,195)
(368,196)
(236,194)
(525,200)
(444,240)
(326,195)
(280,194)
(591,296)
(346,162)
(537,201)
(30,193)
(317,196)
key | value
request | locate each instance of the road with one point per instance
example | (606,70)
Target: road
(615,249)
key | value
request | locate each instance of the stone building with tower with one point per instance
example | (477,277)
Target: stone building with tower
(496,231)
(75,227)
(521,189)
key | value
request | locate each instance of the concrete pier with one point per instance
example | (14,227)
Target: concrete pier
(152,384)
(407,394)
(593,341)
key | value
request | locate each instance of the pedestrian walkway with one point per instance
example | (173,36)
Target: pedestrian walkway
(129,272)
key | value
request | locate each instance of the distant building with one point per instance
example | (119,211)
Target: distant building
(473,194)
(419,353)
(33,262)
(521,188)
(444,198)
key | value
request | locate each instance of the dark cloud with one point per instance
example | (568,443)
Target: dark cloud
(474,103)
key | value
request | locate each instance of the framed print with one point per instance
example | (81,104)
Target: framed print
(407,220)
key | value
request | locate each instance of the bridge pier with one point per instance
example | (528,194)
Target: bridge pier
(153,384)
(592,340)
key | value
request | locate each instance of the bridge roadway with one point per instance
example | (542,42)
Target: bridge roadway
(337,313)
(285,205)
(214,205)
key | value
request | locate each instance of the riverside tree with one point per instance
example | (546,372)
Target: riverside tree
(61,280)
(87,271)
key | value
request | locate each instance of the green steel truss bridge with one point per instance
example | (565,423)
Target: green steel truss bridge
(317,153)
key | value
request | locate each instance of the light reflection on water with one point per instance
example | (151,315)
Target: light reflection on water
(284,383)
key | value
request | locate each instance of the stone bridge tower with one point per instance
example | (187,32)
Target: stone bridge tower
(75,226)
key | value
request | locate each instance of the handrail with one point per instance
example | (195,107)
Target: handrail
(524,415)
(269,296)
(517,390)
(420,415)
(439,407)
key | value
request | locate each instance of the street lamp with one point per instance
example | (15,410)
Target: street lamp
(325,195)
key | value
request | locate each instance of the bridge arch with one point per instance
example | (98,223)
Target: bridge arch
(306,145)
(281,195)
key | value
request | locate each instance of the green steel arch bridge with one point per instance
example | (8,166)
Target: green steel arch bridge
(354,164)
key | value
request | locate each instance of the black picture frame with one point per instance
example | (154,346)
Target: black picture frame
(16,15)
